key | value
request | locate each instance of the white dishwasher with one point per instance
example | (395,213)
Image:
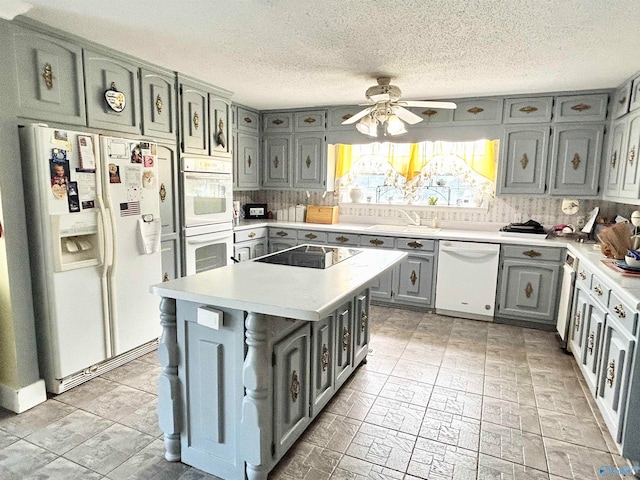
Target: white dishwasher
(467,279)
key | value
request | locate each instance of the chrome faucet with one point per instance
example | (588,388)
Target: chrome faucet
(414,220)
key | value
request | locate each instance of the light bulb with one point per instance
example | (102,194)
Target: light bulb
(368,126)
(395,125)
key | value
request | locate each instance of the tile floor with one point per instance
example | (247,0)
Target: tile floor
(440,398)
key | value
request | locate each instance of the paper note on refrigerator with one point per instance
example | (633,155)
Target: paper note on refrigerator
(149,235)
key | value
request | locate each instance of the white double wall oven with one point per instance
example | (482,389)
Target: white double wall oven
(207,212)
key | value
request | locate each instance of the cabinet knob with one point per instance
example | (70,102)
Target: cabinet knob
(576,161)
(524,161)
(529,109)
(475,110)
(598,290)
(346,337)
(620,311)
(590,344)
(611,373)
(247,120)
(581,107)
(577,321)
(325,357)
(310,236)
(295,386)
(249,161)
(276,162)
(159,104)
(195,120)
(614,158)
(251,235)
(528,290)
(376,242)
(282,234)
(413,277)
(309,120)
(415,244)
(342,239)
(364,318)
(583,275)
(47,74)
(163,192)
(531,253)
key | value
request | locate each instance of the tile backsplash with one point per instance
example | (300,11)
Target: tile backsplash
(503,209)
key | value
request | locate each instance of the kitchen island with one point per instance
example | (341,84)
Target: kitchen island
(252,352)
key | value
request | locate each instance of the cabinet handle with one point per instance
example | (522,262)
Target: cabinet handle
(308,161)
(277,121)
(614,158)
(310,236)
(159,104)
(524,161)
(376,242)
(342,239)
(325,357)
(47,74)
(413,277)
(415,244)
(529,109)
(364,318)
(620,311)
(632,155)
(576,161)
(598,290)
(346,336)
(282,234)
(165,277)
(276,162)
(592,339)
(346,116)
(623,100)
(475,110)
(611,373)
(196,120)
(583,275)
(531,253)
(581,107)
(247,120)
(309,120)
(578,321)
(295,386)
(220,138)
(249,161)
(163,192)
(251,235)
(528,290)
(430,112)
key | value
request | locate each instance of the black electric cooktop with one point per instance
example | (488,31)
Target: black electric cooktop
(310,256)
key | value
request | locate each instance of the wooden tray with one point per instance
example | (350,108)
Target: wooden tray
(611,263)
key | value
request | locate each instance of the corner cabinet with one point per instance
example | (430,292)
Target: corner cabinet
(246,151)
(249,243)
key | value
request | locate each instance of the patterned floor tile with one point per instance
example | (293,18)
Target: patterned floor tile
(435,460)
(456,402)
(508,370)
(408,391)
(62,469)
(119,402)
(382,446)
(575,462)
(465,362)
(331,431)
(350,403)
(396,415)
(379,363)
(7,439)
(306,461)
(366,381)
(144,419)
(351,468)
(563,401)
(417,351)
(509,390)
(511,414)
(34,419)
(21,458)
(149,463)
(451,429)
(136,374)
(419,372)
(84,394)
(492,468)
(513,445)
(459,380)
(581,430)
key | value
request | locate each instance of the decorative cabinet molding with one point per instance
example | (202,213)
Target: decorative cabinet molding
(523,160)
(247,120)
(309,121)
(309,161)
(159,104)
(481,110)
(581,108)
(277,122)
(276,161)
(528,110)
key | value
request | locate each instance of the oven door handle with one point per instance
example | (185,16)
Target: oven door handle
(194,241)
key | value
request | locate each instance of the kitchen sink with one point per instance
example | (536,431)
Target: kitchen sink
(404,228)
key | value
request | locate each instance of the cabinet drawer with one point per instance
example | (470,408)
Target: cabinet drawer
(250,234)
(600,291)
(376,241)
(484,110)
(312,121)
(314,236)
(583,277)
(532,252)
(289,233)
(247,120)
(277,122)
(343,239)
(416,244)
(580,108)
(621,101)
(626,316)
(528,110)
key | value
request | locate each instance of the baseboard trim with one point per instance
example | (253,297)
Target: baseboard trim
(23,399)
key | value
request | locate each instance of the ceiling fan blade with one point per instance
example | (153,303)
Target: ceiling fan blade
(428,104)
(354,118)
(381,97)
(406,115)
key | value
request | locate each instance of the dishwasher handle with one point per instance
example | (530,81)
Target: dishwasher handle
(473,248)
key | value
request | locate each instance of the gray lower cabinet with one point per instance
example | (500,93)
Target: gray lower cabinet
(528,284)
(593,323)
(112,88)
(576,328)
(169,211)
(171,259)
(276,161)
(523,159)
(159,104)
(247,162)
(344,343)
(282,238)
(614,160)
(323,352)
(250,243)
(49,78)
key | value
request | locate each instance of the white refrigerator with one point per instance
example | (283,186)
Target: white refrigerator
(93,216)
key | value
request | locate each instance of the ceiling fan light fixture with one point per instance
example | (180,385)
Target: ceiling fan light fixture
(368,126)
(394,125)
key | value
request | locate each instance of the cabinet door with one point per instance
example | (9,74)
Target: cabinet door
(170,255)
(415,280)
(277,122)
(247,166)
(309,162)
(344,343)
(322,364)
(523,160)
(276,161)
(311,121)
(361,327)
(260,248)
(105,74)
(194,115)
(576,329)
(219,115)
(614,371)
(248,121)
(484,111)
(167,189)
(382,288)
(159,104)
(50,78)
(529,291)
(581,108)
(615,157)
(291,388)
(528,110)
(242,251)
(275,245)
(629,175)
(594,323)
(621,101)
(575,160)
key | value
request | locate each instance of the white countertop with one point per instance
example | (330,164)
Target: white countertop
(282,290)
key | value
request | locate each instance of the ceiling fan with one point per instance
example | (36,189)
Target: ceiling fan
(388,110)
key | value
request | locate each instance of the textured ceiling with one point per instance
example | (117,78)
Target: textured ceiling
(292,53)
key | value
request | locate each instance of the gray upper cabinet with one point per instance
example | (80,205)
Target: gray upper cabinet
(278,122)
(621,101)
(159,104)
(337,115)
(277,149)
(50,78)
(247,168)
(309,165)
(478,111)
(311,121)
(219,116)
(523,157)
(247,121)
(169,211)
(431,116)
(635,94)
(629,178)
(575,160)
(112,87)
(615,157)
(528,110)
(194,116)
(581,108)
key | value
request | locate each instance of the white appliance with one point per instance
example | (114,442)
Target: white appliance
(565,303)
(467,277)
(93,218)
(207,207)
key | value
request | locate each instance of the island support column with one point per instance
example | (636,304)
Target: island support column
(256,431)
(169,405)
